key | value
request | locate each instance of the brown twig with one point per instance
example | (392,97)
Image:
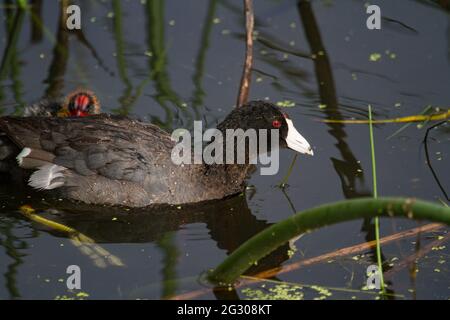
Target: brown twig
(325,257)
(247,72)
(415,256)
(349,250)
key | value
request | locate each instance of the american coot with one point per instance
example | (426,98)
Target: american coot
(79,103)
(113,160)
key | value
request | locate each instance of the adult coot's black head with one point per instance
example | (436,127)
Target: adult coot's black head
(264,115)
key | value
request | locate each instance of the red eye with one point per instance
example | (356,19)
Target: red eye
(276,123)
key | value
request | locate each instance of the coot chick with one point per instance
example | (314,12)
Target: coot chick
(78,103)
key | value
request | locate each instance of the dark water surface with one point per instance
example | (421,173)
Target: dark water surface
(171,62)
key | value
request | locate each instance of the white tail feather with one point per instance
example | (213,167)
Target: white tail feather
(43,178)
(23,154)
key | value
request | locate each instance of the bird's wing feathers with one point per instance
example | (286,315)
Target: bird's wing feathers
(114,147)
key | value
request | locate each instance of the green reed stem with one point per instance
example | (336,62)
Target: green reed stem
(375,195)
(283,182)
(279,233)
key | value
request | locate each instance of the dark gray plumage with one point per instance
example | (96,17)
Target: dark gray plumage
(44,108)
(114,160)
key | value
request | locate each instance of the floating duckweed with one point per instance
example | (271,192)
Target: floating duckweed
(290,253)
(322,106)
(354,76)
(286,104)
(64,297)
(397,104)
(82,294)
(79,296)
(292,25)
(437,270)
(172,23)
(216,20)
(110,15)
(375,57)
(278,292)
(225,32)
(322,291)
